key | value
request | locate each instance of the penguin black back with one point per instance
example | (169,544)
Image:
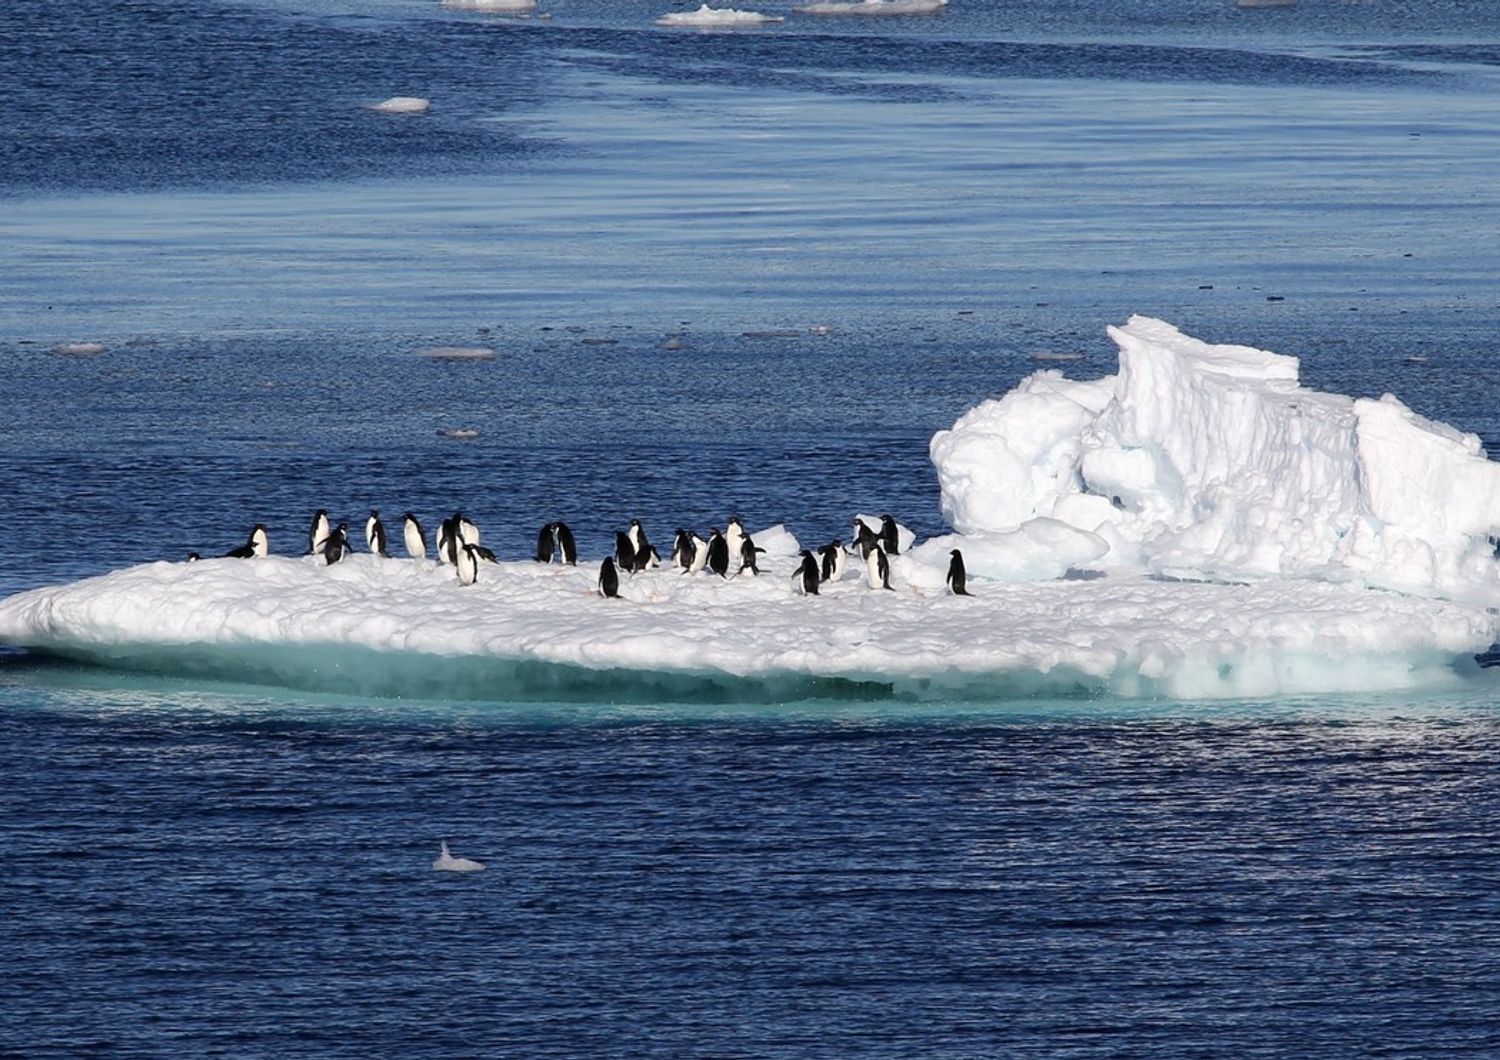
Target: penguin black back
(609,579)
(957,577)
(807,574)
(544,543)
(336,544)
(865,539)
(718,554)
(830,553)
(624,552)
(889,535)
(566,545)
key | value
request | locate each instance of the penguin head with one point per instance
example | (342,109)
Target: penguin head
(956,554)
(193,557)
(409,517)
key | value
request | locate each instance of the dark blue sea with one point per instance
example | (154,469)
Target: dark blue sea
(748,271)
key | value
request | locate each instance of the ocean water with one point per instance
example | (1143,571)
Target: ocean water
(647,226)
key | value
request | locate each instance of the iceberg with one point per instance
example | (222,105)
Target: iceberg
(1197,526)
(716,16)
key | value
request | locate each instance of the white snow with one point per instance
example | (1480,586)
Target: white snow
(874,7)
(716,16)
(1197,525)
(446,862)
(1212,462)
(402,105)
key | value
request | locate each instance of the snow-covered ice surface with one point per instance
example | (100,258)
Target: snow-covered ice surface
(874,7)
(1197,525)
(716,16)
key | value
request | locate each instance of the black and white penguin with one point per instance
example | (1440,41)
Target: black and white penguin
(467,562)
(957,578)
(718,554)
(747,555)
(647,558)
(806,578)
(375,534)
(624,552)
(682,549)
(889,535)
(832,555)
(256,546)
(865,540)
(447,542)
(468,533)
(734,535)
(317,534)
(638,542)
(566,545)
(609,578)
(879,569)
(416,538)
(545,543)
(193,557)
(336,544)
(700,552)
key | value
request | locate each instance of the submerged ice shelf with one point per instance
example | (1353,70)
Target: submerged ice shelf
(1198,525)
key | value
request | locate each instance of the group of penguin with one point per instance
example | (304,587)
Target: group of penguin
(458,546)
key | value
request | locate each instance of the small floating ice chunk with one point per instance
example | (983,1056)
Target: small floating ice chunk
(402,105)
(446,862)
(461,433)
(1059,357)
(874,7)
(716,16)
(457,353)
(491,5)
(78,349)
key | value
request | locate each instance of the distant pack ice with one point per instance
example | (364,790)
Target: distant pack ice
(1211,461)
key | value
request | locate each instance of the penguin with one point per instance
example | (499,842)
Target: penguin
(375,534)
(566,545)
(545,543)
(957,578)
(256,546)
(734,534)
(700,553)
(879,568)
(889,535)
(806,577)
(447,542)
(647,558)
(318,532)
(718,554)
(416,539)
(747,555)
(638,542)
(193,557)
(609,579)
(624,552)
(466,560)
(336,544)
(833,561)
(682,549)
(865,539)
(467,532)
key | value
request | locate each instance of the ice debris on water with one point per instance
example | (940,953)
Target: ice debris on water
(716,16)
(402,105)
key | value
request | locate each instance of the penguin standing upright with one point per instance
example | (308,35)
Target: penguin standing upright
(336,544)
(879,568)
(467,562)
(747,553)
(682,549)
(256,546)
(447,542)
(833,561)
(718,554)
(609,578)
(890,535)
(544,543)
(318,532)
(465,529)
(865,539)
(806,578)
(566,545)
(375,533)
(957,577)
(624,552)
(734,535)
(416,538)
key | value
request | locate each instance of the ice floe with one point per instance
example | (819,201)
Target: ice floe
(1197,525)
(403,105)
(457,353)
(491,5)
(79,349)
(874,7)
(716,16)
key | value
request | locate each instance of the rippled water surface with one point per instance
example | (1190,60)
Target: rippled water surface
(753,272)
